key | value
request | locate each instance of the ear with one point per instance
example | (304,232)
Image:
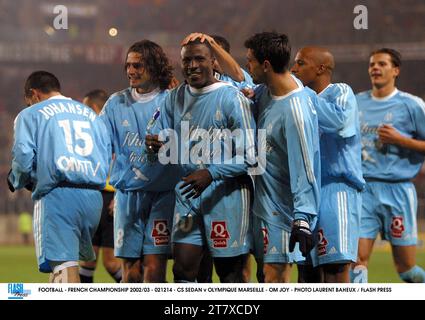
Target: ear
(321,69)
(36,96)
(267,66)
(396,71)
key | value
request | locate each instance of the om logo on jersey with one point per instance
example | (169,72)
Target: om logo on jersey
(397,227)
(219,234)
(160,232)
(322,243)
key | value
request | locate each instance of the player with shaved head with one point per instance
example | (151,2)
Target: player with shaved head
(337,231)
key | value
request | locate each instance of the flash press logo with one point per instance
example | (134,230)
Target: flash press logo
(16,291)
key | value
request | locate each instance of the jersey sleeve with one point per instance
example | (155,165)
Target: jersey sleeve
(337,110)
(241,123)
(417,111)
(299,133)
(23,151)
(107,117)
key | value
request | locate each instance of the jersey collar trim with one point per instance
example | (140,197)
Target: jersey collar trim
(209,88)
(59,97)
(144,97)
(328,86)
(392,94)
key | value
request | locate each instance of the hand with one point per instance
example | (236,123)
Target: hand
(173,84)
(196,35)
(195,183)
(388,134)
(152,143)
(248,92)
(301,233)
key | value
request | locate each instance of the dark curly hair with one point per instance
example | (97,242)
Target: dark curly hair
(155,61)
(272,47)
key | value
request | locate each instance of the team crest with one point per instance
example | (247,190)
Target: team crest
(388,117)
(219,234)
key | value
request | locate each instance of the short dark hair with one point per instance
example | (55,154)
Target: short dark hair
(98,96)
(273,47)
(155,62)
(198,41)
(222,42)
(394,54)
(44,81)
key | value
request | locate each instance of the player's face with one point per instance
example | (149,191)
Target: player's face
(197,65)
(304,68)
(255,68)
(381,70)
(136,72)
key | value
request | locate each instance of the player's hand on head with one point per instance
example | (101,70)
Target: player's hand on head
(191,37)
(195,183)
(197,35)
(152,143)
(301,233)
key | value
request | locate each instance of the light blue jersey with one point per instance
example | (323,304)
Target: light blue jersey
(197,113)
(390,200)
(406,113)
(203,119)
(59,140)
(337,231)
(290,186)
(340,146)
(247,82)
(126,115)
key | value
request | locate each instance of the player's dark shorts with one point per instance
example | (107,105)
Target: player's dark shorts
(104,236)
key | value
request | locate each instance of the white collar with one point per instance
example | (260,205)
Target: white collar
(388,97)
(209,88)
(59,96)
(144,97)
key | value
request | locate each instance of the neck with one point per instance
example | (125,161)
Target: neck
(49,95)
(146,87)
(383,91)
(320,84)
(280,84)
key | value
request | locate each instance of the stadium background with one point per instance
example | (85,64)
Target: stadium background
(86,56)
